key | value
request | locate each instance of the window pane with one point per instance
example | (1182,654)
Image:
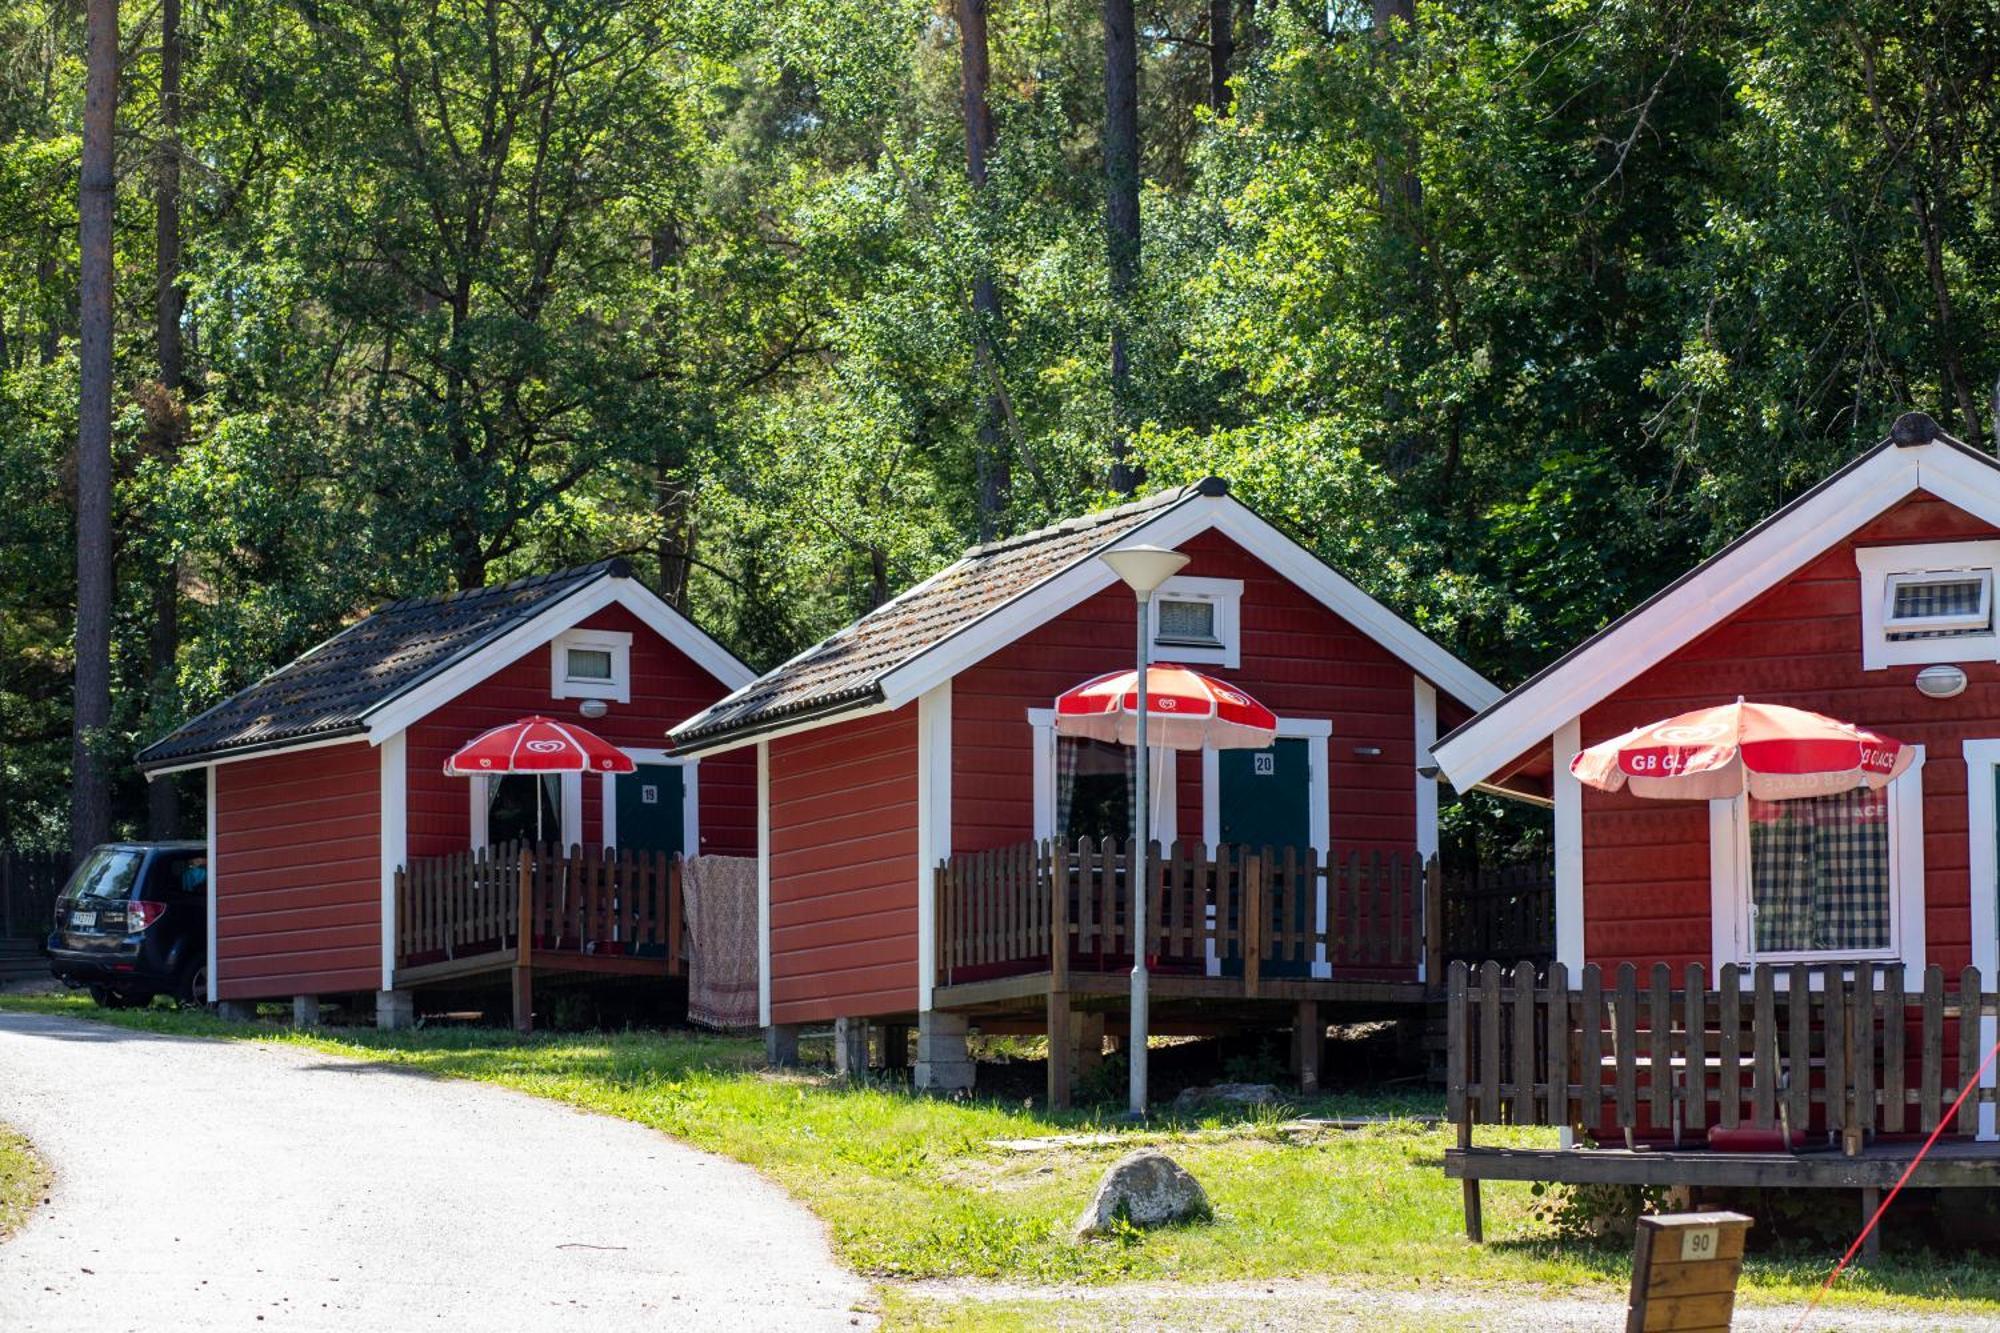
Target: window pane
(1921,599)
(524,807)
(1093,790)
(1819,873)
(590,664)
(1187,622)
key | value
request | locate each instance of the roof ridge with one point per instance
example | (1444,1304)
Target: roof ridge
(1160,499)
(615,565)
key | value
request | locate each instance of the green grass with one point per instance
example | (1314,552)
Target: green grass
(24,1181)
(909,1186)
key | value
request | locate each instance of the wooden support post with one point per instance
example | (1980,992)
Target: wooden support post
(1060,1051)
(1475,1224)
(1871,1248)
(1253,922)
(1308,1036)
(1433,924)
(524,946)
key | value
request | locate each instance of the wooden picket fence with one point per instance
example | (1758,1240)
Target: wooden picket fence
(1847,1051)
(1506,912)
(586,903)
(1040,906)
(30,883)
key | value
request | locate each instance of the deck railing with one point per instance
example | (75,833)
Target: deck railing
(1846,1051)
(1506,912)
(590,904)
(1041,906)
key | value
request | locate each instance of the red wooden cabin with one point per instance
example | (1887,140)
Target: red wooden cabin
(327,776)
(1869,598)
(921,734)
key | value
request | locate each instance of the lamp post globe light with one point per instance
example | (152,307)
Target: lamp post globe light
(1144,569)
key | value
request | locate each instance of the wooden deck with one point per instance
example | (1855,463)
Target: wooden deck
(1842,1057)
(467,915)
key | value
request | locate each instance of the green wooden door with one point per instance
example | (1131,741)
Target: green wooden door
(650,809)
(1265,800)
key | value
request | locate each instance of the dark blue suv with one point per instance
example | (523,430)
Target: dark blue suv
(132,923)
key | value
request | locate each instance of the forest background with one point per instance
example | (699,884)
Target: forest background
(1509,308)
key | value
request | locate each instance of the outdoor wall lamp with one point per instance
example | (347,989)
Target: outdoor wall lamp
(593,708)
(1941,682)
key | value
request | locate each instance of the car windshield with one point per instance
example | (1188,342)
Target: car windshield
(107,876)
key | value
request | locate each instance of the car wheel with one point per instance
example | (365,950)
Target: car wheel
(106,998)
(194,986)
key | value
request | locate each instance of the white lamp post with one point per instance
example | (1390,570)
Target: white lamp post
(1144,569)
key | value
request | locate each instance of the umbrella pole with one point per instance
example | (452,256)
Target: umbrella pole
(1137,860)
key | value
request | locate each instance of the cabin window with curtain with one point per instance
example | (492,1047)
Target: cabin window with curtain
(1822,876)
(524,807)
(1937,605)
(1094,790)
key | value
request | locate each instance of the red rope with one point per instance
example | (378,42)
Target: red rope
(1890,1197)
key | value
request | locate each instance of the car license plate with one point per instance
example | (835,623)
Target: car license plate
(83,920)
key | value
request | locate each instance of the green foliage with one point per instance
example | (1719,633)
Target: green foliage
(1511,315)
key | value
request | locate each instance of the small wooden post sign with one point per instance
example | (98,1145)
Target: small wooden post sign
(1684,1270)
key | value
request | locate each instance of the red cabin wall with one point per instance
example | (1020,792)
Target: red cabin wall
(1299,658)
(298,873)
(1645,862)
(667,687)
(843,809)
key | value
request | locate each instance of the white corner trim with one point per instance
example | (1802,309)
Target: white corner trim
(933,825)
(1569,848)
(1726,941)
(1174,525)
(616,643)
(565,613)
(1426,707)
(1043,721)
(214,875)
(1982,767)
(1715,591)
(395,831)
(763,884)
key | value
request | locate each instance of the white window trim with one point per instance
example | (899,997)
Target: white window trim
(618,643)
(690,797)
(1226,595)
(1982,758)
(1729,885)
(1163,779)
(571,799)
(1879,563)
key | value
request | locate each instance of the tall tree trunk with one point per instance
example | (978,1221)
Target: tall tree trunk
(1221,52)
(163,795)
(1958,387)
(90,784)
(995,474)
(1121,220)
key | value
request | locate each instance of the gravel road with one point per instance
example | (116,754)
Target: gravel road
(210,1184)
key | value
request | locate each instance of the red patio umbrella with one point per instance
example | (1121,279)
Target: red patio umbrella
(538,745)
(1185,710)
(1773,752)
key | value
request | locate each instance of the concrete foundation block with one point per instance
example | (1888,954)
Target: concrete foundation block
(395,1010)
(305,1011)
(236,1011)
(781,1045)
(850,1047)
(944,1061)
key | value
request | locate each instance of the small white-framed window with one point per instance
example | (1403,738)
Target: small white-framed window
(1198,620)
(1083,787)
(525,807)
(1822,879)
(591,664)
(1929,603)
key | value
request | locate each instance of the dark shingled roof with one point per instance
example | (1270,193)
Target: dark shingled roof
(327,692)
(846,670)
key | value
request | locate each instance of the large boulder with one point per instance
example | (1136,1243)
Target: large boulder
(1146,1188)
(1228,1096)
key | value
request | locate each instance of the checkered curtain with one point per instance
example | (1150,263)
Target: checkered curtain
(1958,597)
(1067,749)
(1819,871)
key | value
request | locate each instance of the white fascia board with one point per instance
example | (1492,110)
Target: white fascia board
(210,761)
(1175,525)
(394,714)
(746,739)
(1531,714)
